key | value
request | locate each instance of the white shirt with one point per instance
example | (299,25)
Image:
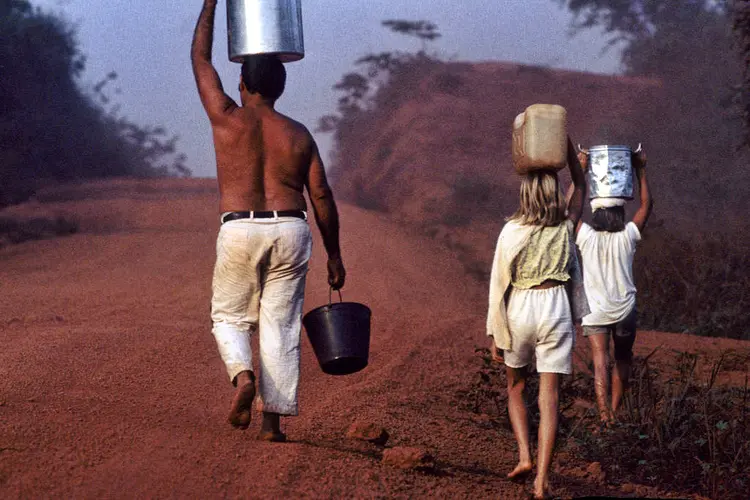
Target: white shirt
(607,260)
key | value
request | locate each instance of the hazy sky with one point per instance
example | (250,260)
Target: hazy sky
(147,43)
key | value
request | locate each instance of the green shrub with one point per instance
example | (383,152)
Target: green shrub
(697,284)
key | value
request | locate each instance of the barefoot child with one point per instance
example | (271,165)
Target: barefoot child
(535,281)
(607,250)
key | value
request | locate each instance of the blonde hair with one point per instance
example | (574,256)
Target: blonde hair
(542,200)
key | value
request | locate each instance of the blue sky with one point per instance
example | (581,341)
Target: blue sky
(147,43)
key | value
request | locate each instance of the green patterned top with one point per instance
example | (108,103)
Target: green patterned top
(545,257)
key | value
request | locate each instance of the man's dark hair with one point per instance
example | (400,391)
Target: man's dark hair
(264,75)
(610,219)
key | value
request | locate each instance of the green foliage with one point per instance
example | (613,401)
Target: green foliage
(14,231)
(695,285)
(684,432)
(50,129)
(688,44)
(680,432)
(423,30)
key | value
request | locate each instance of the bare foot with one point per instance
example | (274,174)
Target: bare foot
(272,437)
(270,428)
(521,471)
(603,427)
(542,490)
(241,412)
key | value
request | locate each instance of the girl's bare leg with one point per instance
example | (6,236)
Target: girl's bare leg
(600,354)
(620,378)
(519,419)
(548,406)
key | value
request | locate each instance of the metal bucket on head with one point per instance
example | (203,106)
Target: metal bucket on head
(265,27)
(610,172)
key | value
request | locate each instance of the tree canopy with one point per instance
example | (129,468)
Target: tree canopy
(689,45)
(50,129)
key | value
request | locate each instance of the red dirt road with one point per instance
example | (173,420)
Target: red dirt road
(111,385)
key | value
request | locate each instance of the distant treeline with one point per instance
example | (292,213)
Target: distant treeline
(50,129)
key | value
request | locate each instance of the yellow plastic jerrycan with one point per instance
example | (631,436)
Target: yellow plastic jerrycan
(540,138)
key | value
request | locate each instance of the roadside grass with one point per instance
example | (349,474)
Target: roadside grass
(678,431)
(14,231)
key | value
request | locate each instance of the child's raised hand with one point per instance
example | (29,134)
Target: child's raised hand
(583,158)
(639,159)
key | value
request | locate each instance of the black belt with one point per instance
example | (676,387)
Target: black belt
(270,214)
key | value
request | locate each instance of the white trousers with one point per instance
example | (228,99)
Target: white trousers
(259,285)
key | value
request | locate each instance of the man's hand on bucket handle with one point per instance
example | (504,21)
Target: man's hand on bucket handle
(336,273)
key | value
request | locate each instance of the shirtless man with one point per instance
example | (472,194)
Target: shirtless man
(264,162)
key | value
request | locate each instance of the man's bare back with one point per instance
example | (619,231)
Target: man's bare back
(263,160)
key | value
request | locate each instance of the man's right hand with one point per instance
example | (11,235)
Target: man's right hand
(336,273)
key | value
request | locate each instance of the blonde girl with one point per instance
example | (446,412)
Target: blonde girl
(536,292)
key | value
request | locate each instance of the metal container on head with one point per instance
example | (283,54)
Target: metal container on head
(610,172)
(265,27)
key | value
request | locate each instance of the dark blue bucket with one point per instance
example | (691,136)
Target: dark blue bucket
(340,336)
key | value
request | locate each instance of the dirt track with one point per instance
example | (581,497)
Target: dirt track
(110,383)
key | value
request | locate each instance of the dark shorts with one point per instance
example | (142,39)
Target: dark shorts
(623,335)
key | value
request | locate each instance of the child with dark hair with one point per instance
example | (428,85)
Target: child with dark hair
(607,249)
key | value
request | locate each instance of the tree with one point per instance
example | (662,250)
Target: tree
(652,32)
(423,30)
(51,130)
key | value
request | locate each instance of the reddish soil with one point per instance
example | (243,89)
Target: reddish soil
(111,385)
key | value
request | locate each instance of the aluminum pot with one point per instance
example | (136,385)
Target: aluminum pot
(610,172)
(265,27)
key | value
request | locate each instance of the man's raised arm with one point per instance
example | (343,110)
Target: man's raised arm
(217,103)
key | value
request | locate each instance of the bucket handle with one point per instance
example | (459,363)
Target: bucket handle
(330,295)
(637,150)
